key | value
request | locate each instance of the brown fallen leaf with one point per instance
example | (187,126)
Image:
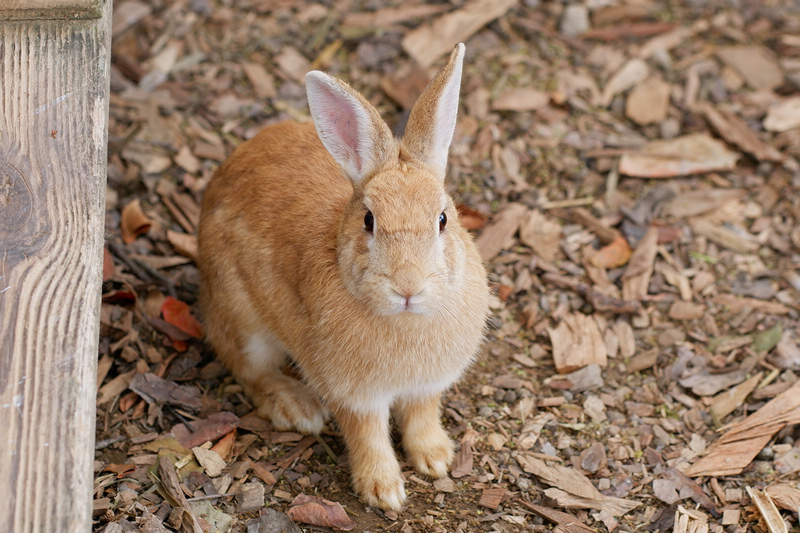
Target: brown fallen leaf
(318,511)
(692,203)
(648,102)
(691,154)
(498,235)
(521,99)
(179,314)
(209,429)
(785,495)
(133,222)
(429,42)
(615,254)
(108,264)
(541,233)
(154,389)
(573,489)
(755,63)
(470,218)
(566,521)
(184,244)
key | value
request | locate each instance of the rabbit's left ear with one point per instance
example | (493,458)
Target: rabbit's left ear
(432,120)
(350,128)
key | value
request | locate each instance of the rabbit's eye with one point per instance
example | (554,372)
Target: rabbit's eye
(442,222)
(369,222)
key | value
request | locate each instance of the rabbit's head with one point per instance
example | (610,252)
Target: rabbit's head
(400,246)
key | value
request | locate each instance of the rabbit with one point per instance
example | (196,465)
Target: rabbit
(336,245)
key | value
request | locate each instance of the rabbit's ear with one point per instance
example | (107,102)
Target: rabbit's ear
(433,118)
(350,128)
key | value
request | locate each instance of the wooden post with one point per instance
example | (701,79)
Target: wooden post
(54,90)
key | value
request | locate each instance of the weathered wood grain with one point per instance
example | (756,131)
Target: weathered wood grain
(54,79)
(51,9)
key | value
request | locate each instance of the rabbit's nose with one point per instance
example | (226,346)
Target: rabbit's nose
(408,282)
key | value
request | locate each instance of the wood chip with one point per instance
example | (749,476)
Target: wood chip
(736,131)
(210,460)
(262,81)
(542,233)
(577,342)
(492,497)
(724,236)
(429,42)
(640,267)
(744,440)
(693,202)
(755,63)
(691,154)
(783,116)
(521,99)
(633,72)
(769,512)
(726,402)
(648,102)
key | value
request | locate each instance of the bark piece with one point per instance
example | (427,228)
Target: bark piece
(724,236)
(631,73)
(741,443)
(692,203)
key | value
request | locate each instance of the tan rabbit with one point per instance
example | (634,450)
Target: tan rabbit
(340,248)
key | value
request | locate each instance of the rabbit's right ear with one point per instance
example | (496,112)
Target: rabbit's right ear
(350,128)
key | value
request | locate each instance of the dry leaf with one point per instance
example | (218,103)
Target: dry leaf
(691,154)
(429,42)
(521,99)
(648,102)
(499,234)
(133,221)
(755,63)
(319,512)
(692,203)
(541,233)
(613,255)
(736,131)
(179,314)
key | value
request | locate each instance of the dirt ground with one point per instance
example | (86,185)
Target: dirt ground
(630,172)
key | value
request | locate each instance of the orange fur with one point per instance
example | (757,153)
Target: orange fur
(372,320)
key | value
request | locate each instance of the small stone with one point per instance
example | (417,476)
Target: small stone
(587,378)
(510,397)
(485,411)
(670,128)
(593,457)
(574,20)
(250,497)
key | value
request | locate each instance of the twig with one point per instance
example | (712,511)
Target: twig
(600,301)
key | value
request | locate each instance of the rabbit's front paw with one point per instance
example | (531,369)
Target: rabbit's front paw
(432,454)
(385,490)
(291,405)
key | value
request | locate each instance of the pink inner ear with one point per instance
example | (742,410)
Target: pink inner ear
(343,124)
